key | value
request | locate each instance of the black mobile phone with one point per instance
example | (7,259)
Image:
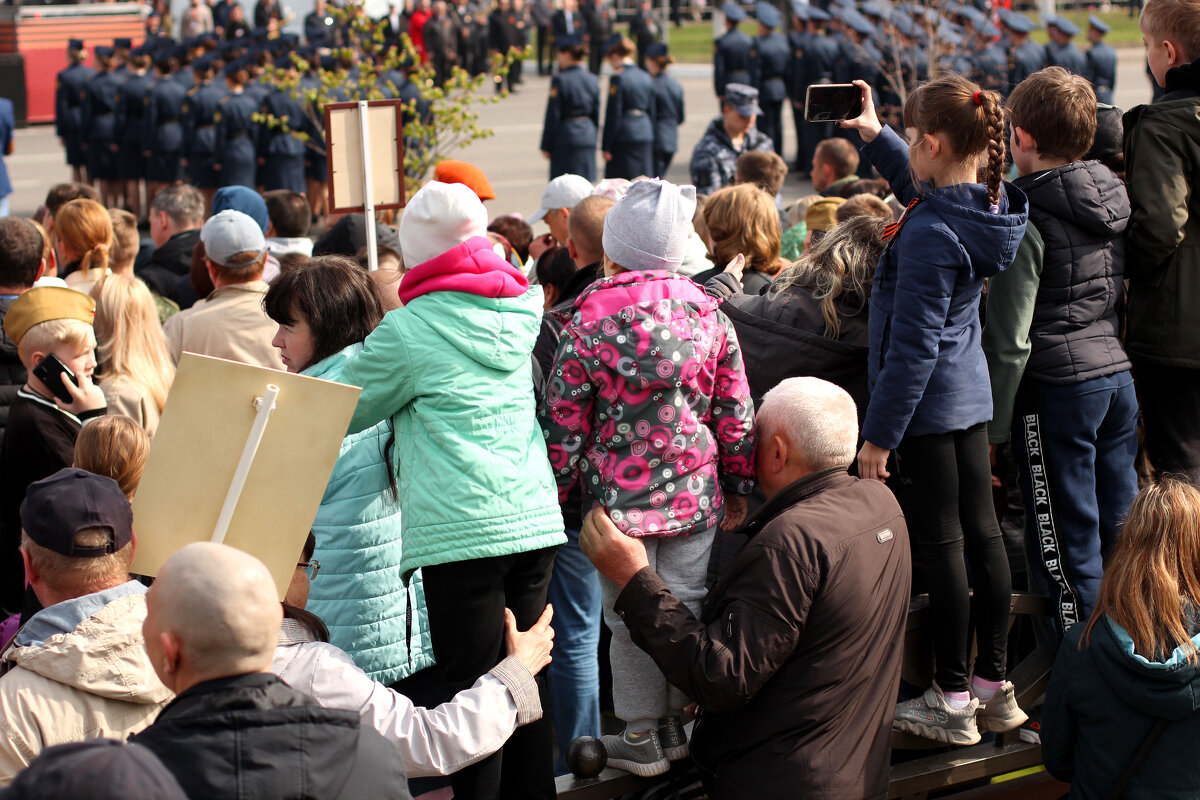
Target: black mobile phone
(50,372)
(827,102)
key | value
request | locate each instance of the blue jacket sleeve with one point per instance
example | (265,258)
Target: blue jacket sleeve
(929,262)
(612,114)
(384,371)
(553,116)
(889,154)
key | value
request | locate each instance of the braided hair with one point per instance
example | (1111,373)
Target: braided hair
(971,119)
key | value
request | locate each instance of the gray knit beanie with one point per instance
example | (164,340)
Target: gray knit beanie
(648,228)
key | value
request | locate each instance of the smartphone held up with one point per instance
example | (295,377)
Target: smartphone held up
(50,372)
(832,102)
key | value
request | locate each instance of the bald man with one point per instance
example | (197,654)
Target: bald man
(795,659)
(234,729)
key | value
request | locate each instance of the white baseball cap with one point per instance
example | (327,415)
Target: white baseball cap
(565,191)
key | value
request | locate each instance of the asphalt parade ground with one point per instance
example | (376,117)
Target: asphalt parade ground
(511,158)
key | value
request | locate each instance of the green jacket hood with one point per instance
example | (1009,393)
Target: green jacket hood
(498,333)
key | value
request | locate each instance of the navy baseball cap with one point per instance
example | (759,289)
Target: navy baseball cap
(71,500)
(100,769)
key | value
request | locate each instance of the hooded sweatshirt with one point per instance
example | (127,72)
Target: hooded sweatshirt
(649,406)
(453,370)
(1102,702)
(927,372)
(77,670)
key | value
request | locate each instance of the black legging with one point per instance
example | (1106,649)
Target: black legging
(944,484)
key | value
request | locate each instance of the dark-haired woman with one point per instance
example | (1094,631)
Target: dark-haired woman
(236,159)
(325,308)
(572,114)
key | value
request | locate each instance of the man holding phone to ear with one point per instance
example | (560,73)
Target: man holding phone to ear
(52,328)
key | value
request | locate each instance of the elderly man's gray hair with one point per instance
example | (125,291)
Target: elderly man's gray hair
(816,417)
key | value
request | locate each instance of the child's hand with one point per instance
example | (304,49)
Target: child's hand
(85,397)
(736,267)
(872,462)
(736,507)
(866,123)
(532,648)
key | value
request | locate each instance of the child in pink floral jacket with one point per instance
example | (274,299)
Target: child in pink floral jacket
(649,406)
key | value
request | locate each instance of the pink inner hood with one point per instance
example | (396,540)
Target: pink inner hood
(471,267)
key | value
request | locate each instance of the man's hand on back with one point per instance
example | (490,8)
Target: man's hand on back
(617,556)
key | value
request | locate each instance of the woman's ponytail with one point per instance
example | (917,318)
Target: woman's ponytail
(96,258)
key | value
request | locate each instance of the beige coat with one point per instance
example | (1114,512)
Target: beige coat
(127,397)
(93,682)
(230,323)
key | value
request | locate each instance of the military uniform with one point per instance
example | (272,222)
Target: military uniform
(99,125)
(714,161)
(668,100)
(731,53)
(132,97)
(236,136)
(200,135)
(813,61)
(162,134)
(643,29)
(1101,64)
(629,119)
(769,57)
(281,155)
(1026,58)
(68,110)
(572,122)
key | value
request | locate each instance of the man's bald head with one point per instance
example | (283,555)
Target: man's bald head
(586,228)
(214,612)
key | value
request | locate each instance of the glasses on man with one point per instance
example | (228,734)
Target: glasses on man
(311,568)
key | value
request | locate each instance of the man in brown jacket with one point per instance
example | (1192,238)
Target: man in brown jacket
(795,661)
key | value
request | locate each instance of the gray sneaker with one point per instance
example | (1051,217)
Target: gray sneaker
(639,753)
(673,738)
(1001,713)
(930,716)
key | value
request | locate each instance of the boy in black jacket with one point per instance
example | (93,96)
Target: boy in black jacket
(1059,372)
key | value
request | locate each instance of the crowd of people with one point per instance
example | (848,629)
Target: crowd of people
(740,430)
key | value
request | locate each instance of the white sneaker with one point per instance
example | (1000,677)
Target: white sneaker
(932,717)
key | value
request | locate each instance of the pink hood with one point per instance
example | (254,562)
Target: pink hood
(472,267)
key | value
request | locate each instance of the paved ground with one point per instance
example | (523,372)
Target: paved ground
(511,158)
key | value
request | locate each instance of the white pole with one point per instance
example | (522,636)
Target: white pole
(264,405)
(368,193)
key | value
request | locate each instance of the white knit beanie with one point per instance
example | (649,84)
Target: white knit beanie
(439,217)
(648,228)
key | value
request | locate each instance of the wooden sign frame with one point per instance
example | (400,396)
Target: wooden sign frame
(332,146)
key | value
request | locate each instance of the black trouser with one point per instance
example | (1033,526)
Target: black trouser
(662,163)
(466,601)
(545,55)
(944,485)
(1170,401)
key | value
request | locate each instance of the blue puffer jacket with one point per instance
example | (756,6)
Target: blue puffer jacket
(927,372)
(1101,703)
(359,594)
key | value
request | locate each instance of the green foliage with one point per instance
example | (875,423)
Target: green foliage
(443,119)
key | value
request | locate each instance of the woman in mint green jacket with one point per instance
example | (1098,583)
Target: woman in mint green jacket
(325,308)
(453,370)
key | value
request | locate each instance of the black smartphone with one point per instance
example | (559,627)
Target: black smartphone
(50,372)
(827,102)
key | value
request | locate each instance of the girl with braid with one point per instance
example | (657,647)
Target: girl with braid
(925,427)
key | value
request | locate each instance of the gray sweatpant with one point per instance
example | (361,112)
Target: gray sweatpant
(641,695)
